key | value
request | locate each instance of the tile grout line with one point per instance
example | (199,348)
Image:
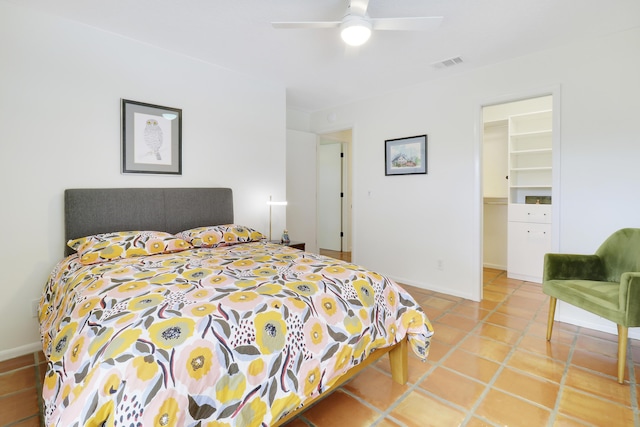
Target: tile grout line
(491,383)
(415,386)
(631,385)
(562,385)
(382,414)
(503,364)
(563,380)
(470,413)
(554,412)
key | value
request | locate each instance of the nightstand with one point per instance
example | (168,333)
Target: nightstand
(292,244)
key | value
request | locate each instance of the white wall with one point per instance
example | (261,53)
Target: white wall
(298,120)
(60,90)
(409,222)
(301,188)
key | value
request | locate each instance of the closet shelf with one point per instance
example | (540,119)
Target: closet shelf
(531,151)
(540,168)
(542,132)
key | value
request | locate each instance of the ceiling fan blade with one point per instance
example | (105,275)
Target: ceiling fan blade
(423,23)
(359,7)
(309,24)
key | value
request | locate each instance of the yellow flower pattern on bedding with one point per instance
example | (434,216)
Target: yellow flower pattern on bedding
(220,235)
(234,335)
(125,244)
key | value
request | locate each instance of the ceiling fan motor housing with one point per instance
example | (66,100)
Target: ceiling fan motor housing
(355,30)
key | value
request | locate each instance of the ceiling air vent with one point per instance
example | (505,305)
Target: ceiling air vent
(448,62)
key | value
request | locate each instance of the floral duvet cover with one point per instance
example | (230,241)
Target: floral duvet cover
(229,336)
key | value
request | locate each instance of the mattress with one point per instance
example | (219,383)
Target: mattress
(238,334)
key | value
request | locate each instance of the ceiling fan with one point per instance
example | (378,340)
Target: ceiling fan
(356,25)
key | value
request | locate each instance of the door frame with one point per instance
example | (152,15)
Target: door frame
(347,172)
(555,92)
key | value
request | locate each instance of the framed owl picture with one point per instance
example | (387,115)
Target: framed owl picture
(151,138)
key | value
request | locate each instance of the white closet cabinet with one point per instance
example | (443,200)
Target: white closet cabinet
(529,238)
(530,178)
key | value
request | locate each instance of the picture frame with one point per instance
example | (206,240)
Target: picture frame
(406,156)
(151,138)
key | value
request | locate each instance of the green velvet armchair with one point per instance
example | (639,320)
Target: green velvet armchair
(606,283)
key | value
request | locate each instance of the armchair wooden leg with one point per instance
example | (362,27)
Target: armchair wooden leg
(623,334)
(552,312)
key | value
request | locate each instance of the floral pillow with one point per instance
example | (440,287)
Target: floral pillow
(220,235)
(125,244)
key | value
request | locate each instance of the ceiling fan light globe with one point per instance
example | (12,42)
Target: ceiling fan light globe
(355,32)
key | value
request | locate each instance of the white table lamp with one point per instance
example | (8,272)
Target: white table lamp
(271,203)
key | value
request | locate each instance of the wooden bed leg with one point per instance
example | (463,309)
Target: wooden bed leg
(399,362)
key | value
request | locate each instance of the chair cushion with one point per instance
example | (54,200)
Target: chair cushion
(601,298)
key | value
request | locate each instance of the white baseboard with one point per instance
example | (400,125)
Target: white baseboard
(526,278)
(575,316)
(20,351)
(494,266)
(431,287)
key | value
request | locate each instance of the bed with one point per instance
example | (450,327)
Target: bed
(165,312)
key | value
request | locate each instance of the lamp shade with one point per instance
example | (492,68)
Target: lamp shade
(355,30)
(271,203)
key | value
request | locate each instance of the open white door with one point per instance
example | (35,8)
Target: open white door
(330,196)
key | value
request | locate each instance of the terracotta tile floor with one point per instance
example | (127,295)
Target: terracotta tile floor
(20,385)
(489,365)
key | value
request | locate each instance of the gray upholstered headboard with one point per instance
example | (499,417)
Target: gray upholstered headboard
(101,210)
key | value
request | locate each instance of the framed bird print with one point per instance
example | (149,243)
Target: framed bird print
(151,138)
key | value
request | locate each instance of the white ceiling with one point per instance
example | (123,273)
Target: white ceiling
(317,69)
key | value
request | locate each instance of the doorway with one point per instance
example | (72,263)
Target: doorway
(520,159)
(334,193)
